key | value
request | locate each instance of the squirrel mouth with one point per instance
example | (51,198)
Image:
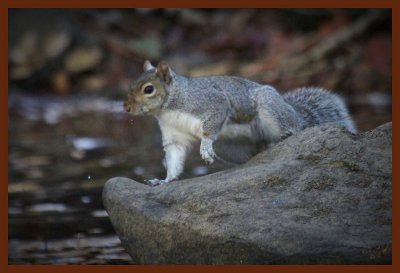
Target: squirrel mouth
(127,107)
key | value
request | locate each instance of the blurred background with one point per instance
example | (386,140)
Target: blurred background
(70,69)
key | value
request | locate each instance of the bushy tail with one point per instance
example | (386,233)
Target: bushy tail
(317,106)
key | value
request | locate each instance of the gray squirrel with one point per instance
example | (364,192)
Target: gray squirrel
(224,107)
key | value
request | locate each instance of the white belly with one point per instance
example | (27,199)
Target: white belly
(182,125)
(182,122)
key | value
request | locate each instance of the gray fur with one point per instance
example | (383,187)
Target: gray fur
(224,107)
(317,106)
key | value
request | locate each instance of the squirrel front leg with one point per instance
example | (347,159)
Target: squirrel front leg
(176,146)
(211,128)
(207,150)
(175,155)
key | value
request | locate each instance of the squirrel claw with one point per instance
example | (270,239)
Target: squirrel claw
(208,158)
(155,182)
(206,151)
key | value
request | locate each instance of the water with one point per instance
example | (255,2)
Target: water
(63,150)
(57,169)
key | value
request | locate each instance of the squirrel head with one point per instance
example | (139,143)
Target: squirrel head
(150,91)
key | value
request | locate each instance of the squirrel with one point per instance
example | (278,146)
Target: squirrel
(216,107)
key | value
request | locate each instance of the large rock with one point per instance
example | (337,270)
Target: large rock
(321,196)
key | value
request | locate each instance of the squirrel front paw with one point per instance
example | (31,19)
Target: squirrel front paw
(207,151)
(156,182)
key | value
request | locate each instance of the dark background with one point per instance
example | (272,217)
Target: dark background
(70,69)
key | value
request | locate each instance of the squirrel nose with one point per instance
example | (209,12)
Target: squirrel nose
(127,108)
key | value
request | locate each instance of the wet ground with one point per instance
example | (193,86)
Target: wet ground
(63,150)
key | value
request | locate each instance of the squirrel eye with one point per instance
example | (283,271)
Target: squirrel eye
(148,89)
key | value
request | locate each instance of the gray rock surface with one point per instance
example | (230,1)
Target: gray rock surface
(322,196)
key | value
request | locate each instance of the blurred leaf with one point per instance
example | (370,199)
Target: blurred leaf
(25,57)
(83,58)
(148,46)
(56,43)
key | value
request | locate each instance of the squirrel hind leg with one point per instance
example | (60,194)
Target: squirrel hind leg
(237,151)
(266,127)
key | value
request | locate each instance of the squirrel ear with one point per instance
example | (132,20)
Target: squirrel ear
(164,71)
(147,66)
